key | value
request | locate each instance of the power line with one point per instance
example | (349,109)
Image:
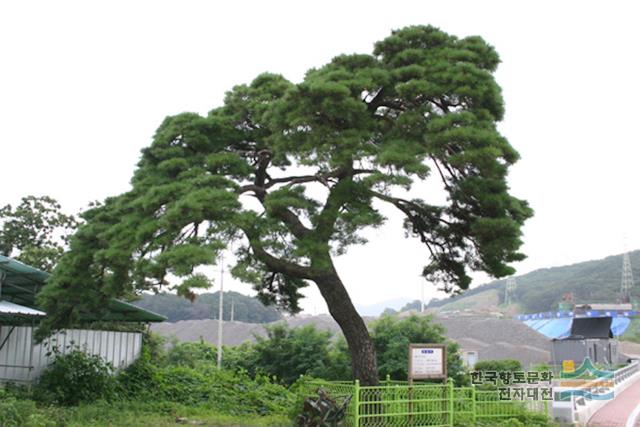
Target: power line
(627,279)
(510,290)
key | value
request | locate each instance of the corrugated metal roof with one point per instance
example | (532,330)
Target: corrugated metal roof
(21,283)
(7,307)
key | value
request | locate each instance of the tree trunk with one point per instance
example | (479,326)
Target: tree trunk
(363,354)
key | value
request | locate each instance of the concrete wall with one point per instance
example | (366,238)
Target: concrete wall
(598,350)
(23,361)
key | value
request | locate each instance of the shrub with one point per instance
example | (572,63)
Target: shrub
(22,413)
(242,357)
(138,379)
(76,377)
(15,412)
(392,335)
(525,419)
(227,392)
(154,344)
(338,366)
(191,354)
(288,353)
(541,367)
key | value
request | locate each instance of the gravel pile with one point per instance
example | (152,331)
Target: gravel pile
(233,333)
(494,338)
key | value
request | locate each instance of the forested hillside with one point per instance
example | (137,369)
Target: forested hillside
(245,309)
(541,290)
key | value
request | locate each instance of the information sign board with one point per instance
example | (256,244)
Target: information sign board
(427,361)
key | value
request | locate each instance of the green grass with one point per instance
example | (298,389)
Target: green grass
(132,419)
(24,412)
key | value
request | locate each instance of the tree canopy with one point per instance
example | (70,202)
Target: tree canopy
(35,231)
(292,174)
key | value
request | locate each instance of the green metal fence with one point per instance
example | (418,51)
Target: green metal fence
(395,403)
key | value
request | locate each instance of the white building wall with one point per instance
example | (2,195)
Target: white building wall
(21,361)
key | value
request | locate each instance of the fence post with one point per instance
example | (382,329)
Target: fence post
(356,403)
(388,380)
(450,384)
(473,403)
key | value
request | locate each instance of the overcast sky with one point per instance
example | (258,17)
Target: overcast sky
(84,85)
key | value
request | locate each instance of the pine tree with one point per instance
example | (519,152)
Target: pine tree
(289,173)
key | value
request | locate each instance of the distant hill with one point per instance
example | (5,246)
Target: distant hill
(542,290)
(378,308)
(245,308)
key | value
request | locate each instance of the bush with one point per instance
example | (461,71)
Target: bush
(138,379)
(226,392)
(541,367)
(242,357)
(191,354)
(338,366)
(15,412)
(76,377)
(526,419)
(288,353)
(222,391)
(392,335)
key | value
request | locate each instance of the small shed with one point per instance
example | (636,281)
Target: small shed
(590,337)
(22,360)
(587,331)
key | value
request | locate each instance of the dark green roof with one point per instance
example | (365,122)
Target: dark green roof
(21,283)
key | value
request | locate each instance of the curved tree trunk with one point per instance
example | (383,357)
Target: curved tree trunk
(324,274)
(363,354)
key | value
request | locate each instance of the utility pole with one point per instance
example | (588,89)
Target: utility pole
(422,296)
(220,311)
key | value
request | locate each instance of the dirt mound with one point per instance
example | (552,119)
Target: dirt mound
(234,333)
(495,338)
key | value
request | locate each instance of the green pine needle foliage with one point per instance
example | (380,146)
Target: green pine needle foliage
(289,175)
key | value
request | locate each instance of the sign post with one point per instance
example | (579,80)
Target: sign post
(427,361)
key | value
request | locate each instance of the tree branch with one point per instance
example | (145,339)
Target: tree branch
(259,191)
(329,214)
(444,179)
(276,264)
(322,178)
(290,180)
(414,214)
(289,218)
